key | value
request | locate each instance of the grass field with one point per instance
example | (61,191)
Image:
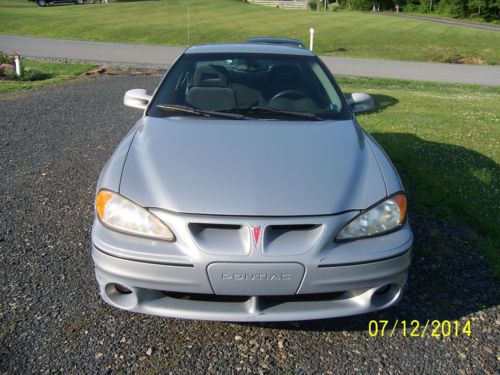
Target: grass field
(337,33)
(53,73)
(445,140)
(448,17)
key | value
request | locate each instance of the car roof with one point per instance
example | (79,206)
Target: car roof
(265,48)
(276,40)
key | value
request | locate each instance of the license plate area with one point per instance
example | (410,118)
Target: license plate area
(255,279)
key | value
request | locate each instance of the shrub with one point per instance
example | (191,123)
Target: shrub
(424,7)
(34,75)
(6,59)
(334,7)
(321,4)
(313,5)
(8,73)
(6,66)
(7,70)
(125,1)
(360,4)
(452,8)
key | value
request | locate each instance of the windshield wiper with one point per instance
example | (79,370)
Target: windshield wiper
(198,112)
(305,115)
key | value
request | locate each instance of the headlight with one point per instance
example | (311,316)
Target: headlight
(123,215)
(386,216)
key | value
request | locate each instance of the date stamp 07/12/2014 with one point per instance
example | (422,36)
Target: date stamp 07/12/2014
(416,328)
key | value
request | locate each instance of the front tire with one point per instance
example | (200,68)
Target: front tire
(78,2)
(41,3)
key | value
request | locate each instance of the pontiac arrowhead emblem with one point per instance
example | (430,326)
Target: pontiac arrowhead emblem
(256,234)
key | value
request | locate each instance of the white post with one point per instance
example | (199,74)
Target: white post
(311,40)
(17,63)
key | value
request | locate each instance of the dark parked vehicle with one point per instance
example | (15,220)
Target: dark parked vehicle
(42,3)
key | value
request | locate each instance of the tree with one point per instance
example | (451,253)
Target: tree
(475,6)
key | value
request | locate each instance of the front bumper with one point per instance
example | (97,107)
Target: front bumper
(353,290)
(186,280)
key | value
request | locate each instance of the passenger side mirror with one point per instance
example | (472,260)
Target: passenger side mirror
(136,98)
(360,102)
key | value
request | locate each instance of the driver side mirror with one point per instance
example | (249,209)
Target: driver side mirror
(136,98)
(360,102)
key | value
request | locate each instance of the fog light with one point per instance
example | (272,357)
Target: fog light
(120,295)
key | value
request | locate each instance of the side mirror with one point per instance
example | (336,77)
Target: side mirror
(136,98)
(360,102)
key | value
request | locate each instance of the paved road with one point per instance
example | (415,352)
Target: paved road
(53,143)
(149,55)
(443,20)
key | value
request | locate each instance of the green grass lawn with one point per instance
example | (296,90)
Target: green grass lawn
(448,17)
(445,141)
(52,72)
(165,22)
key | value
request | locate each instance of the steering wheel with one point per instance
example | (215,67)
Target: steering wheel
(293,93)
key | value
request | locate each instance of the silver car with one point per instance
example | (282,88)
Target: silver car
(248,192)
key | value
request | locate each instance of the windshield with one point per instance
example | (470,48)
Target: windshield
(261,86)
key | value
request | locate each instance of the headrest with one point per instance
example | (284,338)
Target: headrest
(282,73)
(210,76)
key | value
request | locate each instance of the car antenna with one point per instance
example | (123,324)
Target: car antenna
(188,1)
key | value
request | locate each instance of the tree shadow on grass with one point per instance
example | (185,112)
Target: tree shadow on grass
(449,277)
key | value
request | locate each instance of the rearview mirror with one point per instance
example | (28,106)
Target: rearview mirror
(136,98)
(360,102)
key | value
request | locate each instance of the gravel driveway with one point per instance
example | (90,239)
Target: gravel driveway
(53,143)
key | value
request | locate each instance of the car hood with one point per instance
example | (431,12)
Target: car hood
(251,168)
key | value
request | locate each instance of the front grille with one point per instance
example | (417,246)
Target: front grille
(221,239)
(292,227)
(236,239)
(291,239)
(315,297)
(207,297)
(198,227)
(303,297)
